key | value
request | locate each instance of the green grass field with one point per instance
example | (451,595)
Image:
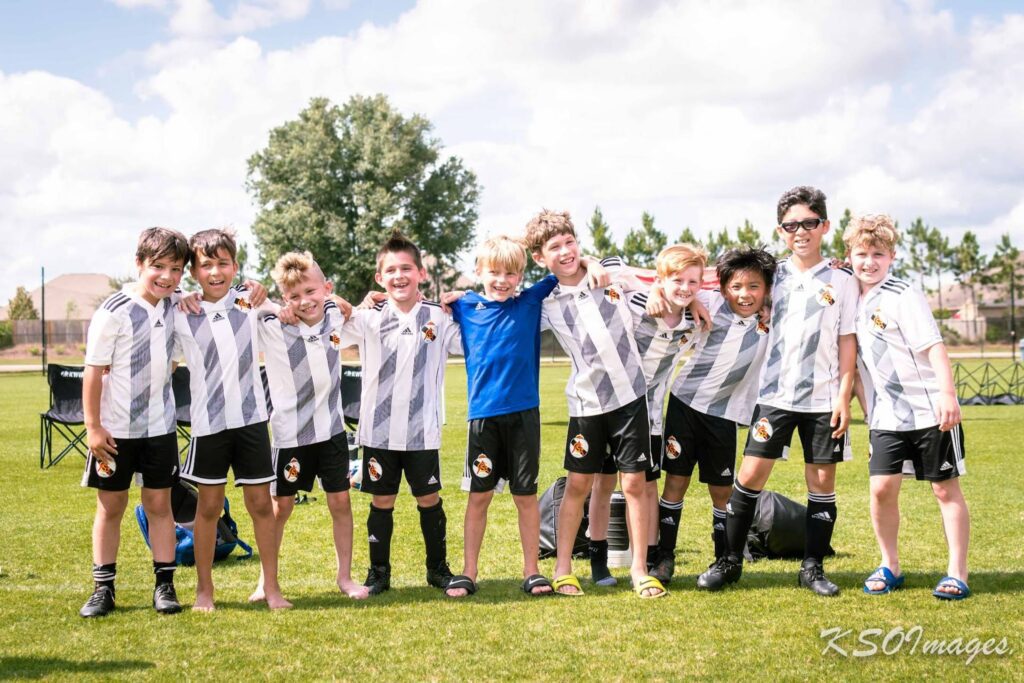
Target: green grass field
(763,627)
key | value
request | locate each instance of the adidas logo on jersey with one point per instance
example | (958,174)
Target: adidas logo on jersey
(373,539)
(406,332)
(432,480)
(159,323)
(664,335)
(217,317)
(945,466)
(312,339)
(823,516)
(480,306)
(581,296)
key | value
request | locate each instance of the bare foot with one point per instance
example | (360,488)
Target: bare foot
(203,603)
(277,601)
(258,595)
(356,591)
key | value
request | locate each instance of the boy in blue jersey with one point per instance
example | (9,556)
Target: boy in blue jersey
(501,341)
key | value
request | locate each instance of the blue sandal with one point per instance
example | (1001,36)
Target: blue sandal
(951,582)
(884,575)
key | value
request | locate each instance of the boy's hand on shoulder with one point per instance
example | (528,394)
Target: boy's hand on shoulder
(701,314)
(948,411)
(765,314)
(656,305)
(372,298)
(191,303)
(597,275)
(288,315)
(343,305)
(448,298)
(840,418)
(837,263)
(257,292)
(101,443)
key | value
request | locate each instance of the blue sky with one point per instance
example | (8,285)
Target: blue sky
(118,114)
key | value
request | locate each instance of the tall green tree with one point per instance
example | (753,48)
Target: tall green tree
(832,246)
(641,246)
(968,267)
(937,257)
(20,306)
(916,240)
(338,180)
(1006,270)
(717,244)
(601,239)
(687,237)
(747,234)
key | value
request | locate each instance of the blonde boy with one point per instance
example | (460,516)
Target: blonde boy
(912,405)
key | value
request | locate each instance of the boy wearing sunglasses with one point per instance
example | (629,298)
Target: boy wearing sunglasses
(806,384)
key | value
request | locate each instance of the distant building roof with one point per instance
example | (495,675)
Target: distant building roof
(74,296)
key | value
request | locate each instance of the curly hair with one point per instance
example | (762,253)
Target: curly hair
(811,197)
(873,230)
(546,225)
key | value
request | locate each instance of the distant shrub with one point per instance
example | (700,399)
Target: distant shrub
(34,350)
(6,335)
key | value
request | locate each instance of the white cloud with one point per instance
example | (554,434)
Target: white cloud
(701,113)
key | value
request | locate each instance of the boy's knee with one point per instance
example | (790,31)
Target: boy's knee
(428,501)
(947,491)
(339,504)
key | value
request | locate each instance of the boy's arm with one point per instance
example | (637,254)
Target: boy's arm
(101,443)
(847,365)
(948,407)
(597,275)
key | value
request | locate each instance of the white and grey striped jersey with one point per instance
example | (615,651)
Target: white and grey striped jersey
(660,348)
(303,365)
(403,357)
(595,327)
(137,341)
(220,347)
(810,310)
(895,329)
(722,376)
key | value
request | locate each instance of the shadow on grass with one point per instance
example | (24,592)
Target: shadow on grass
(12,668)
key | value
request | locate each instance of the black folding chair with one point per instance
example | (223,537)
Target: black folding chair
(182,404)
(65,418)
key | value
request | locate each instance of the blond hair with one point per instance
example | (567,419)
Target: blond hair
(292,267)
(877,230)
(544,226)
(503,252)
(679,257)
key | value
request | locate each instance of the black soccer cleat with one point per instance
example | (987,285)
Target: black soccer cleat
(165,599)
(99,604)
(812,575)
(440,576)
(378,579)
(720,574)
(664,568)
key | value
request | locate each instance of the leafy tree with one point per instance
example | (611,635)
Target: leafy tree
(338,180)
(937,257)
(968,267)
(1005,265)
(747,234)
(832,246)
(20,306)
(687,237)
(641,247)
(601,236)
(716,245)
(917,249)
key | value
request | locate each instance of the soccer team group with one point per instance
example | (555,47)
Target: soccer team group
(777,348)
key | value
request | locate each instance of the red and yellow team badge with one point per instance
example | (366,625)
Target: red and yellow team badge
(105,469)
(684,340)
(482,466)
(878,320)
(373,468)
(826,295)
(762,430)
(672,448)
(335,340)
(429,331)
(762,328)
(578,447)
(242,304)
(291,471)
(612,294)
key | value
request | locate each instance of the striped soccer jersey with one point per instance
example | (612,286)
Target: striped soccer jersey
(303,366)
(810,311)
(595,327)
(137,341)
(721,377)
(403,357)
(219,345)
(895,329)
(660,347)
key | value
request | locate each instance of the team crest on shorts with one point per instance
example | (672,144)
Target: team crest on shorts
(291,471)
(578,447)
(612,294)
(672,448)
(762,328)
(429,331)
(374,470)
(482,466)
(762,430)
(243,304)
(335,340)
(826,296)
(105,469)
(878,320)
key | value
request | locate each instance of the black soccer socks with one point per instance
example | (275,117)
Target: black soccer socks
(434,525)
(164,572)
(380,524)
(669,514)
(740,515)
(821,520)
(718,521)
(104,574)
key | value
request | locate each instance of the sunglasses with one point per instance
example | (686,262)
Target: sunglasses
(807,224)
